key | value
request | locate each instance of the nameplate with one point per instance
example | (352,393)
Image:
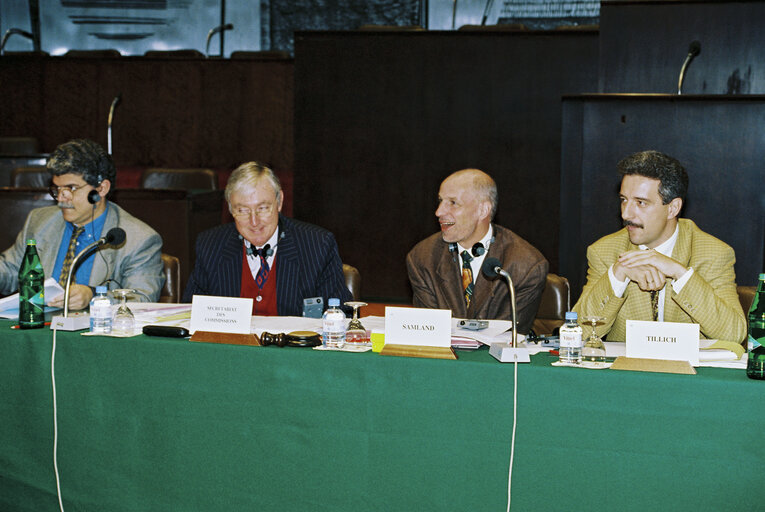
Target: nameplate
(220,314)
(418,327)
(663,340)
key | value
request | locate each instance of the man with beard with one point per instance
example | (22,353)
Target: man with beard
(445,268)
(660,267)
(83,174)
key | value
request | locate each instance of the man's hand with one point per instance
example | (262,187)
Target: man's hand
(79,298)
(664,264)
(647,277)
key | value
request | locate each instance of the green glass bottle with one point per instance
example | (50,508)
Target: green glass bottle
(755,366)
(31,289)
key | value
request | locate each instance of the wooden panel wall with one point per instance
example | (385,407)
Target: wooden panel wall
(383,118)
(643,45)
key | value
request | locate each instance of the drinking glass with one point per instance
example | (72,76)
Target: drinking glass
(123,323)
(593,351)
(356,333)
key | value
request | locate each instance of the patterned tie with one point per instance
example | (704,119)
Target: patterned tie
(655,304)
(70,255)
(260,279)
(467,276)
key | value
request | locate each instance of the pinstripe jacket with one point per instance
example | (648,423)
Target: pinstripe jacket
(135,264)
(709,298)
(307,261)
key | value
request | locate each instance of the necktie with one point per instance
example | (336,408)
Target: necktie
(70,255)
(655,304)
(467,276)
(260,279)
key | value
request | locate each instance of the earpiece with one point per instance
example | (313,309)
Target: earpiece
(266,251)
(94,197)
(478,249)
(452,247)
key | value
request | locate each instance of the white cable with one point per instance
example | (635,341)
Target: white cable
(512,441)
(55,420)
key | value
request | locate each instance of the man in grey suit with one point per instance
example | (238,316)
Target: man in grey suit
(83,174)
(445,268)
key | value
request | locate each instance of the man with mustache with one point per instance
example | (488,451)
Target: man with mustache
(82,175)
(660,267)
(445,268)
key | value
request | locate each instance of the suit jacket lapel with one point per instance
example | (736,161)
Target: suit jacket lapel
(485,289)
(288,271)
(231,263)
(682,253)
(450,275)
(106,257)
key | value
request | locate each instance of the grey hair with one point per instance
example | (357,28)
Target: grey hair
(247,176)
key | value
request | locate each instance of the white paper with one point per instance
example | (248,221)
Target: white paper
(9,306)
(672,341)
(418,326)
(220,314)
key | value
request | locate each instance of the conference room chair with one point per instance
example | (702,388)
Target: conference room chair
(19,146)
(352,280)
(556,300)
(93,54)
(183,179)
(171,267)
(33,176)
(175,54)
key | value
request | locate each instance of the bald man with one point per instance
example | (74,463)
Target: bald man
(445,268)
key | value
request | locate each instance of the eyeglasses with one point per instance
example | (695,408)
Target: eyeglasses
(242,212)
(69,189)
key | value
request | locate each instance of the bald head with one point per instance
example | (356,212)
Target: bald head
(467,201)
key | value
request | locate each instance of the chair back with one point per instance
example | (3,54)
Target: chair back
(352,280)
(556,300)
(181,179)
(171,267)
(746,297)
(32,176)
(19,146)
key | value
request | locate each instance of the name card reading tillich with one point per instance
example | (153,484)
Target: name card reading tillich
(663,340)
(415,326)
(220,314)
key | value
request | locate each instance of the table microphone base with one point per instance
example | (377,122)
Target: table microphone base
(74,322)
(505,353)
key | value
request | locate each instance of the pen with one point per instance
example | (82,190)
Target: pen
(17,326)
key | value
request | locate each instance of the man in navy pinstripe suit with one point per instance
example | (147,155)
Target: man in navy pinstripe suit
(275,260)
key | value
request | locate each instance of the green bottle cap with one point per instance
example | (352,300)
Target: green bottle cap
(31,241)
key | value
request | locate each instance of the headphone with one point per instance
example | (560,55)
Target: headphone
(477,250)
(93,195)
(266,251)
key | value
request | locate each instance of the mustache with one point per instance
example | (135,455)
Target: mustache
(65,206)
(626,223)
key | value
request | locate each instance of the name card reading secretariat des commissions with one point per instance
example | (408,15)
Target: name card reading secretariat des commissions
(663,340)
(418,326)
(220,314)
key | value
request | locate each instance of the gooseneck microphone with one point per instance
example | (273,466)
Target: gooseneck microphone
(115,102)
(216,30)
(114,236)
(693,50)
(491,268)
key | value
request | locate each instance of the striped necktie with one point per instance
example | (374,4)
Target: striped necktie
(70,254)
(467,276)
(260,278)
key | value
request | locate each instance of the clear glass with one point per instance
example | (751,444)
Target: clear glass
(593,351)
(356,333)
(123,323)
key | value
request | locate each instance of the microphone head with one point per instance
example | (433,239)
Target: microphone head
(115,236)
(489,267)
(695,48)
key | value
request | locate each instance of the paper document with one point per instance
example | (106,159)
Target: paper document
(9,306)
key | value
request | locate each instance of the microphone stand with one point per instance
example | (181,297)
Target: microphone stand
(694,50)
(505,352)
(102,241)
(115,102)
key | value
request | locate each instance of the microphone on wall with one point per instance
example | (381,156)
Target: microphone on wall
(115,102)
(693,50)
(212,32)
(115,236)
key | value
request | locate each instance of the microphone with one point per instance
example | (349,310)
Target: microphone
(115,102)
(114,236)
(454,12)
(486,10)
(12,31)
(212,32)
(502,351)
(693,50)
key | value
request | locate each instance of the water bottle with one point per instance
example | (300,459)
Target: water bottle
(101,312)
(570,340)
(31,289)
(755,365)
(333,325)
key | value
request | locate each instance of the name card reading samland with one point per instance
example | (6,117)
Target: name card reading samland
(663,340)
(416,326)
(220,314)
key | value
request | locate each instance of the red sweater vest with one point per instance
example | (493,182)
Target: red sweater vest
(266,306)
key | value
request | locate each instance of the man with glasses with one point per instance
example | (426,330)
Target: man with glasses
(82,175)
(277,261)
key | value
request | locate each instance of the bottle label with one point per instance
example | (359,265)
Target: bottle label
(753,343)
(570,339)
